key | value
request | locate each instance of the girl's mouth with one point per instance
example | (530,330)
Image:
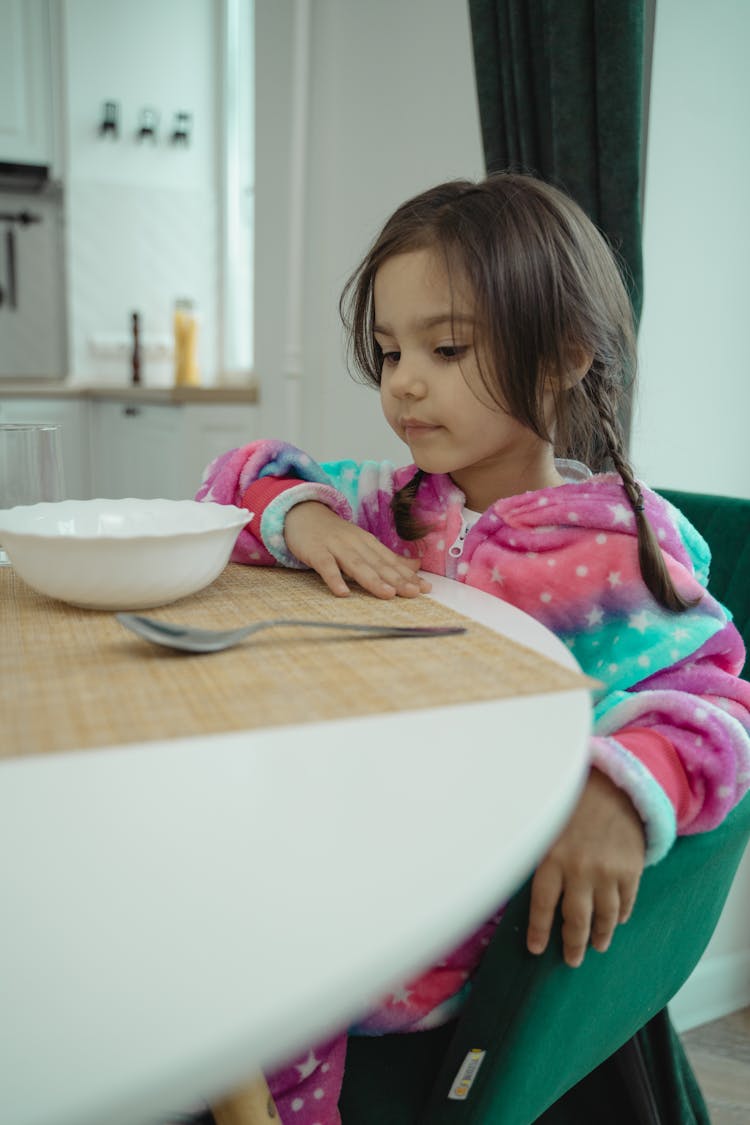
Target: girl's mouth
(416,429)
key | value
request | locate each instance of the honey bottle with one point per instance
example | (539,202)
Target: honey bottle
(186,372)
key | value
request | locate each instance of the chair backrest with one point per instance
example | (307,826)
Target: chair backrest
(724,522)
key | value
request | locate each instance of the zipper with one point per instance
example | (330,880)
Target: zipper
(456,549)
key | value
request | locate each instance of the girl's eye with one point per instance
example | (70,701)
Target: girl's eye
(451,351)
(390,359)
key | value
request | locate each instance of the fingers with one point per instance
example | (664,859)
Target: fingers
(577,908)
(546,888)
(386,576)
(337,549)
(606,916)
(577,911)
(591,872)
(628,895)
(590,915)
(328,569)
(379,572)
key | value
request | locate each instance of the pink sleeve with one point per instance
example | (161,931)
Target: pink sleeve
(260,494)
(660,758)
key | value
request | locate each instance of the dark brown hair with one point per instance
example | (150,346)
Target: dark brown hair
(548,294)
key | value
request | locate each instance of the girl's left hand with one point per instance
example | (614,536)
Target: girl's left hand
(593,870)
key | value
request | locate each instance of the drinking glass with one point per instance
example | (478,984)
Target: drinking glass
(31,468)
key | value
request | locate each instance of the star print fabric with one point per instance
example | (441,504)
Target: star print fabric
(306,1091)
(568,556)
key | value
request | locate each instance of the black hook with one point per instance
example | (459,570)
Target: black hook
(10,260)
(23,218)
(181,129)
(148,120)
(110,126)
(13,219)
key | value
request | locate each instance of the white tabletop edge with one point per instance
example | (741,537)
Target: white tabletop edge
(242,762)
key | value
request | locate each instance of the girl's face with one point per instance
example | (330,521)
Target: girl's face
(432,393)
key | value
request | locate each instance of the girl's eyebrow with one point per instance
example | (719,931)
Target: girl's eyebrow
(430,322)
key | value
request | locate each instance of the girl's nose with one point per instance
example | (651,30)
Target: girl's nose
(407,379)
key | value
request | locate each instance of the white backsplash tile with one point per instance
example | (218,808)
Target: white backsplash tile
(137,249)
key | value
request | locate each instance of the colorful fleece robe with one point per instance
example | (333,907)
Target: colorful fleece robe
(671,725)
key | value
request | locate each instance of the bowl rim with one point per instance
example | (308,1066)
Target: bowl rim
(235,518)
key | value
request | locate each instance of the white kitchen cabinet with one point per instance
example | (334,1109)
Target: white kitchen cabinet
(26,119)
(136,450)
(161,449)
(130,447)
(72,416)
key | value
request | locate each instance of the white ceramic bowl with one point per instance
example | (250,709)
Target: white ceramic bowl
(120,554)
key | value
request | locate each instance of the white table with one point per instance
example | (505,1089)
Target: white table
(176,914)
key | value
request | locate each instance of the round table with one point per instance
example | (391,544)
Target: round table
(177,914)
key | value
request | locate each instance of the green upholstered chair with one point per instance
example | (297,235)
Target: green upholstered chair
(594,1044)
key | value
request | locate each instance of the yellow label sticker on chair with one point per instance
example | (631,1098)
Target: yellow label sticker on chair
(466,1075)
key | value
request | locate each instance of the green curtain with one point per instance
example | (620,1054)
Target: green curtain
(559,85)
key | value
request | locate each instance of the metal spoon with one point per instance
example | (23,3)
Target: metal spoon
(190,639)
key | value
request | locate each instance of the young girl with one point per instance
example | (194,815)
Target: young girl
(494,321)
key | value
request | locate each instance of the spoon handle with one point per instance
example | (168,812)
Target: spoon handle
(371,630)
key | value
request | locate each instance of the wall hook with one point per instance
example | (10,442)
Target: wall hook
(148,121)
(181,129)
(110,125)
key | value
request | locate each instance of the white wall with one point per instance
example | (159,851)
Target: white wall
(392,110)
(142,219)
(693,415)
(691,428)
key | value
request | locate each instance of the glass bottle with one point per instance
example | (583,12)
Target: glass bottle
(186,373)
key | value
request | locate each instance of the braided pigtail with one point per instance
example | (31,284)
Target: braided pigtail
(650,557)
(402,506)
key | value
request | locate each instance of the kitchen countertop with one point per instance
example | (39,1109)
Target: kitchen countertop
(33,388)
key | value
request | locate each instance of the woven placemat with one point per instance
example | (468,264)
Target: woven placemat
(75,678)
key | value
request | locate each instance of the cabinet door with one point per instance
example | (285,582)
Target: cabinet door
(25,83)
(73,419)
(212,429)
(137,451)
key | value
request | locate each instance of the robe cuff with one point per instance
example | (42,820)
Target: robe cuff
(651,802)
(272,519)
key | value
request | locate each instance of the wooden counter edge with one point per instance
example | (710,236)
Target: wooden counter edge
(248,393)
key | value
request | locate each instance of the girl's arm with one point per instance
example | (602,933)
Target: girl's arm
(254,476)
(671,755)
(679,741)
(592,872)
(334,518)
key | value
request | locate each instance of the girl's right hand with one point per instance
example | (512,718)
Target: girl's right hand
(334,547)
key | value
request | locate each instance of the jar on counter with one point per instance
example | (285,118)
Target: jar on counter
(186,372)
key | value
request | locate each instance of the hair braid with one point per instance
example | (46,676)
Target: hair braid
(650,557)
(402,504)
